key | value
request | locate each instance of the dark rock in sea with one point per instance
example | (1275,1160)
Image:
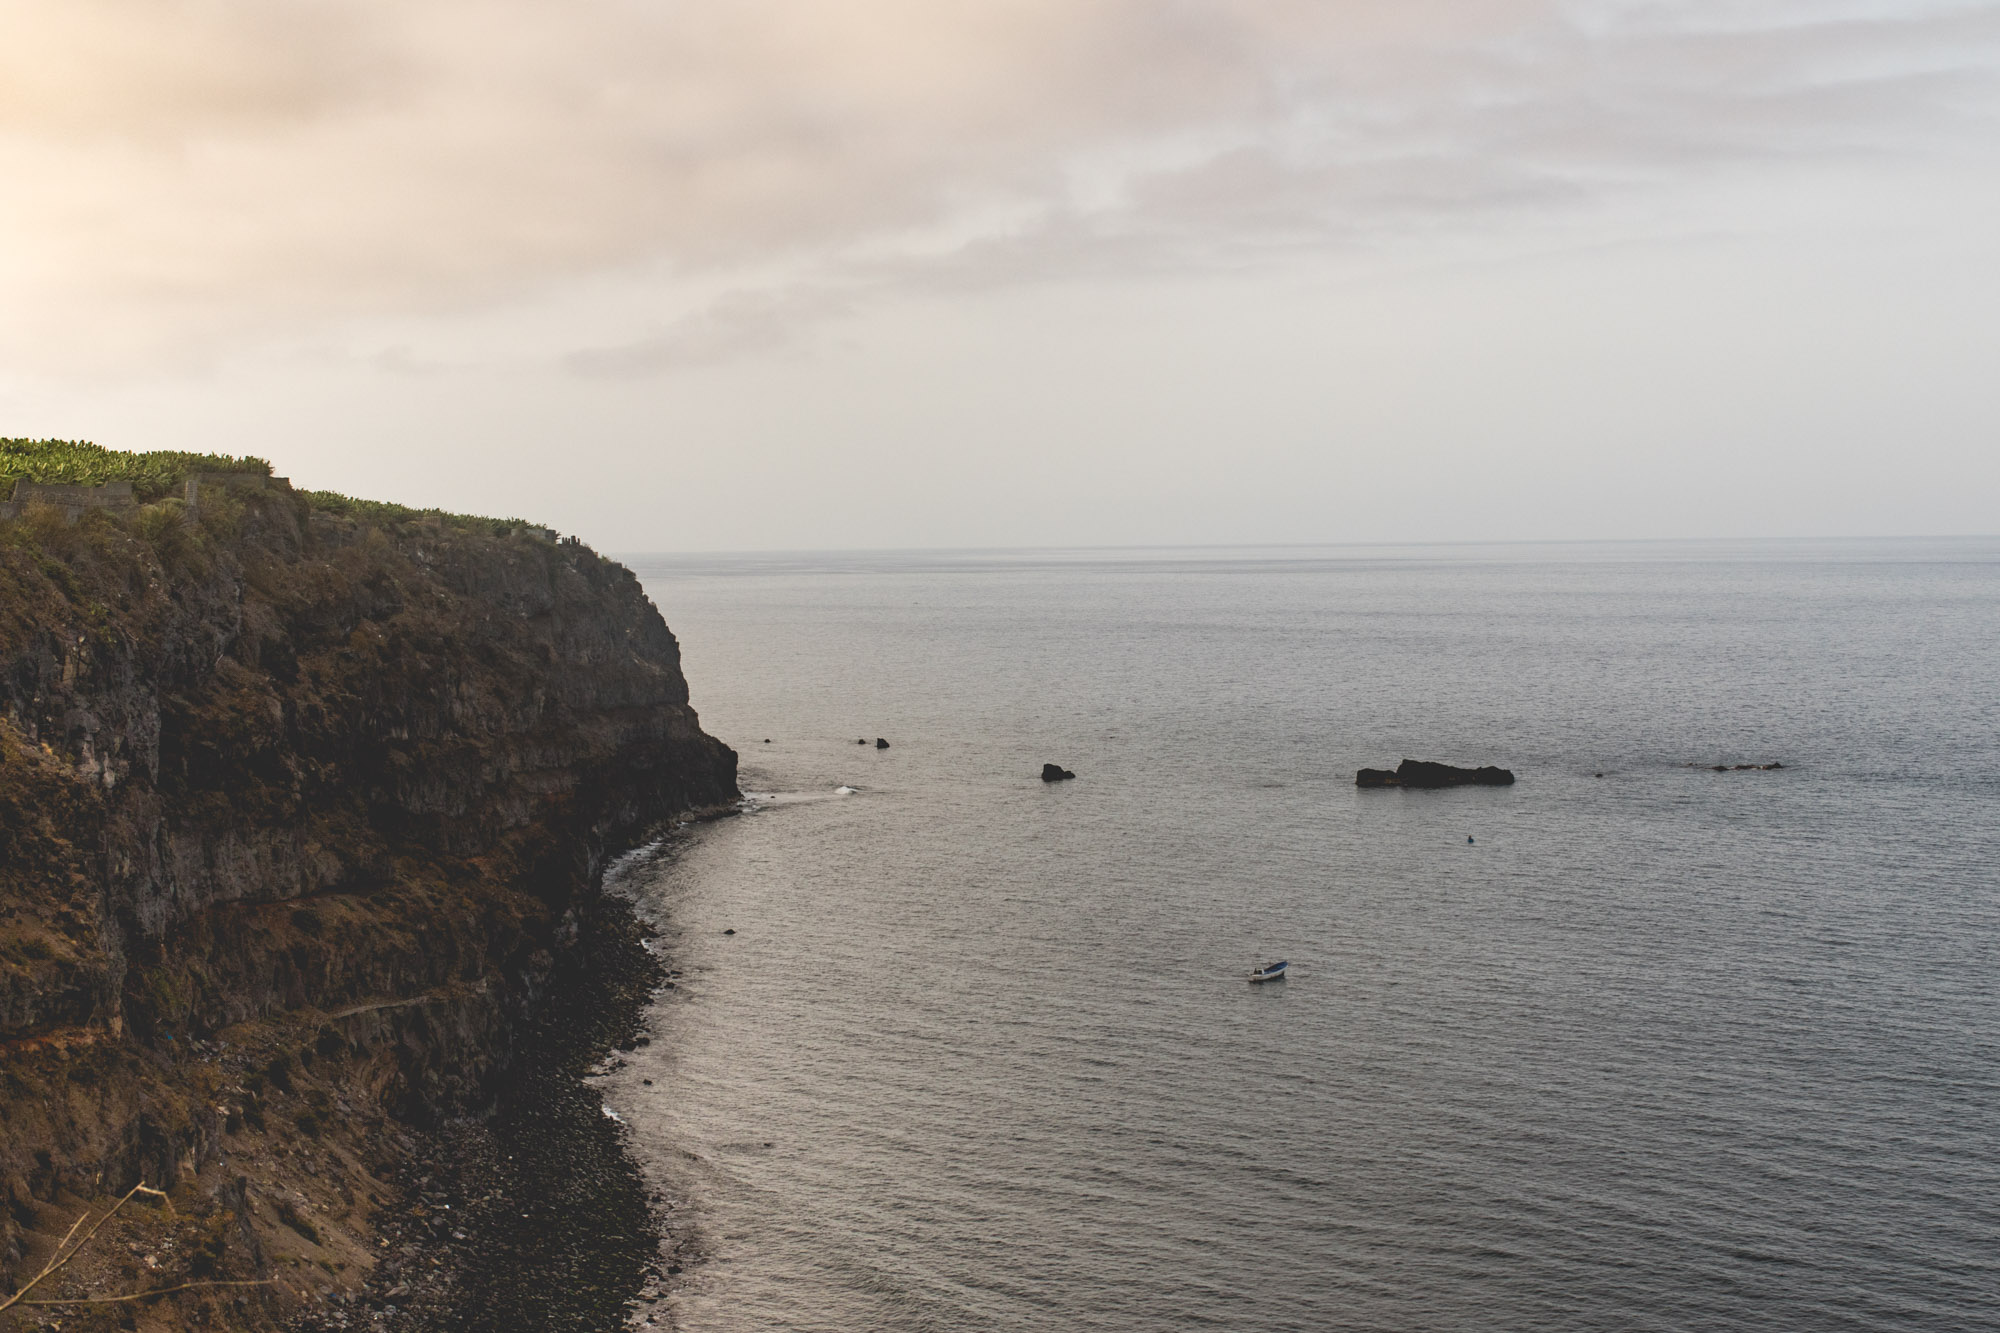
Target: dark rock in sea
(1055,773)
(1419,773)
(881,744)
(730,931)
(862,741)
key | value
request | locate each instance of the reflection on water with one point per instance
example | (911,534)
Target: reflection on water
(1663,1049)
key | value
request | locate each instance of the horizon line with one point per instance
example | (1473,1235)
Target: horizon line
(1114,548)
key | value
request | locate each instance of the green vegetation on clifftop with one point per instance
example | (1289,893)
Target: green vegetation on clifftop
(81,463)
(160,473)
(384,511)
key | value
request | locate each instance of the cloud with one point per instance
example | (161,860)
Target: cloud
(177,173)
(733,324)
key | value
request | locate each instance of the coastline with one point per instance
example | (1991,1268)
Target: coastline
(536,1216)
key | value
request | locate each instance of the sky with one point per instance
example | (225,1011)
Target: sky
(788,274)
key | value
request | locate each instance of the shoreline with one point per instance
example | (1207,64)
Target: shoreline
(536,1215)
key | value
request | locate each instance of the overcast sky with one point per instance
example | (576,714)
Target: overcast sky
(688,274)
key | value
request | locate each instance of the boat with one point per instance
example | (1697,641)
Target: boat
(1275,972)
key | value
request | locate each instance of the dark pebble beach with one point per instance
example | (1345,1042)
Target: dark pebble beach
(536,1218)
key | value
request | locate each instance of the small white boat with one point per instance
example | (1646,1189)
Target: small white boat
(1275,972)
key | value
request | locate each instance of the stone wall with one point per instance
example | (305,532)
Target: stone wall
(111,495)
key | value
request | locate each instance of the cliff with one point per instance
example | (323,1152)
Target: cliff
(297,810)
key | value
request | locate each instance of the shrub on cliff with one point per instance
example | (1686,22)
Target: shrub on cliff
(384,512)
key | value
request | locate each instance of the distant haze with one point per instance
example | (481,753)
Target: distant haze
(780,274)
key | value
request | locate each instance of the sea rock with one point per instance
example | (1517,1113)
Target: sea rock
(1055,773)
(1420,773)
(881,744)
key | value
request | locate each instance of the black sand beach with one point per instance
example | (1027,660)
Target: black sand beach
(537,1218)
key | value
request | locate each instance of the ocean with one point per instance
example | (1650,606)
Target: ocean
(1631,1044)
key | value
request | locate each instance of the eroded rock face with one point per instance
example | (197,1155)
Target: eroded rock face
(1419,773)
(278,783)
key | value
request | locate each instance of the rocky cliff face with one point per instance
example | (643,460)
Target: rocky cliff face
(295,811)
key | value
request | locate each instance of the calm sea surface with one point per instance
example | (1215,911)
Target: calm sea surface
(1659,1049)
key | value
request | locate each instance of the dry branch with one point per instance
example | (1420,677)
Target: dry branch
(156,1291)
(59,1260)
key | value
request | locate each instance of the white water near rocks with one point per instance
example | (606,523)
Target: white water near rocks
(1662,1049)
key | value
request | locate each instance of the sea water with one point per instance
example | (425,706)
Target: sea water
(1632,1044)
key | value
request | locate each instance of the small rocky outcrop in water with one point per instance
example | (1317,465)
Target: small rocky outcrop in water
(1055,773)
(1419,773)
(881,744)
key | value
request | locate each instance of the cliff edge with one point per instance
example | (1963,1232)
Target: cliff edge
(299,800)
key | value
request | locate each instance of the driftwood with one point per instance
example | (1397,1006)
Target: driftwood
(66,1252)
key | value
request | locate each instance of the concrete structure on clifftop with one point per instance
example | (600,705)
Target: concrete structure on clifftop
(72,500)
